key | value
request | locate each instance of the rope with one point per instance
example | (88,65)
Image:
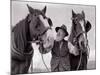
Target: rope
(81,57)
(88,50)
(32,66)
(44,63)
(79,60)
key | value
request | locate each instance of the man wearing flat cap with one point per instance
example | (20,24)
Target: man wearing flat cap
(60,50)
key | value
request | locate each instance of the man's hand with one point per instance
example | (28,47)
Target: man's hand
(73,49)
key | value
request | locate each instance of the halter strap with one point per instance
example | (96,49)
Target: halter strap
(44,31)
(80,34)
(35,41)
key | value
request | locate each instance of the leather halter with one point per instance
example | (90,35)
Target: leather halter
(76,43)
(38,37)
(75,40)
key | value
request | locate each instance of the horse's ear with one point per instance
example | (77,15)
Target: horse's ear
(73,13)
(31,10)
(88,26)
(50,22)
(83,14)
(44,9)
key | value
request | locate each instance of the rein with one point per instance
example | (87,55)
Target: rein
(45,63)
(76,42)
(38,42)
(42,54)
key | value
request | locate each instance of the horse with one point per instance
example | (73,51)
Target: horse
(28,30)
(78,37)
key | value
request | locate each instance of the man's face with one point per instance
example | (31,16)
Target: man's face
(60,35)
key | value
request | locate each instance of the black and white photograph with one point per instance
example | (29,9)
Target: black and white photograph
(52,37)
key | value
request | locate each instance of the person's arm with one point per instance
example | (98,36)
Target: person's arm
(73,49)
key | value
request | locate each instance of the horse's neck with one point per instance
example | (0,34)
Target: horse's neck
(28,36)
(72,34)
(21,35)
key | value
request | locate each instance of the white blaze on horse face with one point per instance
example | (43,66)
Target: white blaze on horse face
(48,39)
(44,21)
(49,42)
(46,24)
(82,24)
(43,37)
(83,28)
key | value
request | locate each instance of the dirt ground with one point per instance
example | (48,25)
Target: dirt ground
(91,66)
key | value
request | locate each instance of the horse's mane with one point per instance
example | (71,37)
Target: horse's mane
(73,32)
(25,19)
(21,33)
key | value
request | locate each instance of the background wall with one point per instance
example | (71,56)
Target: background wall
(60,14)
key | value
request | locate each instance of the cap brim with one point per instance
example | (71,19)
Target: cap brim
(57,28)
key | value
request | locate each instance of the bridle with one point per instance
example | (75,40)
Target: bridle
(37,38)
(39,41)
(76,43)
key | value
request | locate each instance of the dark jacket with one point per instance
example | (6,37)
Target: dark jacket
(60,56)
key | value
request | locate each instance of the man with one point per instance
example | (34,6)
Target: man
(60,50)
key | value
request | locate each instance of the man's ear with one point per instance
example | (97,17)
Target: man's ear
(73,13)
(31,10)
(44,9)
(83,14)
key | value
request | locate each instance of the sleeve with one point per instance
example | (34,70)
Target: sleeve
(73,49)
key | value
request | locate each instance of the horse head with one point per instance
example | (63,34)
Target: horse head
(39,23)
(80,27)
